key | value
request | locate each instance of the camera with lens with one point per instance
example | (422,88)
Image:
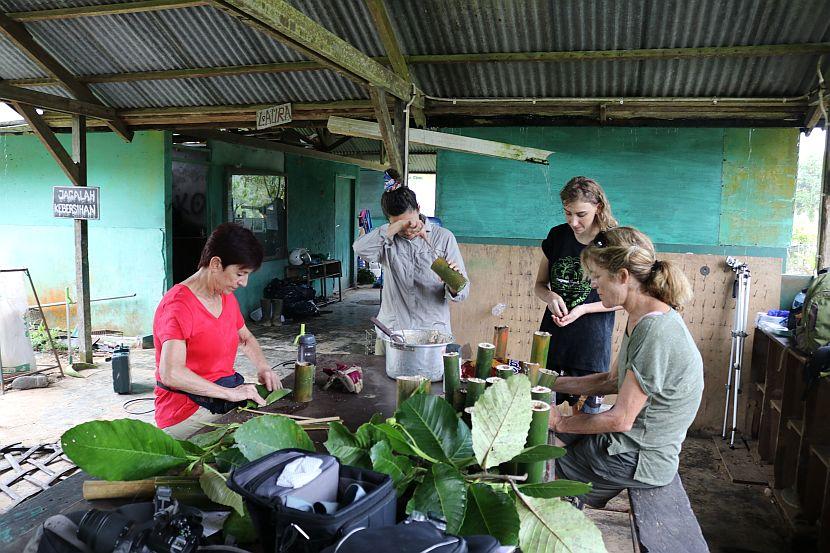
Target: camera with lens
(171,530)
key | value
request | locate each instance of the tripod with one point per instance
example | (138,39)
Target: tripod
(740,291)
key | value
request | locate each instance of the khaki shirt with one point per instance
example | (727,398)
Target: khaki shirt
(667,364)
(414,298)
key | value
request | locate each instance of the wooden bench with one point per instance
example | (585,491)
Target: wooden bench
(663,521)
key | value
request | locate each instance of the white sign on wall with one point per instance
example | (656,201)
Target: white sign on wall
(273,116)
(76,202)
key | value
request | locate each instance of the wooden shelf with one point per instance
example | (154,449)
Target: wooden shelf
(776,404)
(797,425)
(823,454)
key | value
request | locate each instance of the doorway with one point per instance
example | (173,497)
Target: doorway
(189,210)
(345,232)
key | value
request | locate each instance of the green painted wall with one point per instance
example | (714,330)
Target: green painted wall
(690,189)
(128,249)
(371,189)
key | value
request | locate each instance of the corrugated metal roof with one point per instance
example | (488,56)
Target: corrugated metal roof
(206,37)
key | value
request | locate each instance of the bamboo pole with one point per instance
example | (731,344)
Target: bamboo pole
(539,348)
(475,387)
(303,381)
(541,393)
(459,400)
(538,435)
(452,278)
(408,385)
(532,371)
(452,375)
(505,371)
(484,360)
(547,378)
(492,380)
(501,333)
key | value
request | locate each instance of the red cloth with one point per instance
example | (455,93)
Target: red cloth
(211,345)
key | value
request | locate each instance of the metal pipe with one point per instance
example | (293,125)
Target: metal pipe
(59,303)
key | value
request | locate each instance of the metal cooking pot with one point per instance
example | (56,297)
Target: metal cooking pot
(421,354)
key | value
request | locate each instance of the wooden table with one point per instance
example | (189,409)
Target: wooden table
(378,396)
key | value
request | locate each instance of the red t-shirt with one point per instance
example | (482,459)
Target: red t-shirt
(211,345)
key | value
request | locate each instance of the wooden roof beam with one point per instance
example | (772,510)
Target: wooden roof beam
(104,9)
(55,103)
(45,134)
(290,26)
(20,36)
(241,140)
(394,148)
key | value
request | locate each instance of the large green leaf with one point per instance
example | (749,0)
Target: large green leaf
(538,453)
(425,499)
(207,439)
(396,439)
(397,466)
(229,459)
(240,527)
(501,420)
(555,488)
(269,433)
(343,444)
(269,397)
(214,484)
(123,449)
(452,494)
(436,430)
(491,513)
(555,525)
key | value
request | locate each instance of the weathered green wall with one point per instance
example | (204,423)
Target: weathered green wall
(371,189)
(224,157)
(128,251)
(690,189)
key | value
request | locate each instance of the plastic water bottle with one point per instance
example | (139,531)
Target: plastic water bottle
(498,309)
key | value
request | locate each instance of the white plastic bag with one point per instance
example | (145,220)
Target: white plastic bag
(15,347)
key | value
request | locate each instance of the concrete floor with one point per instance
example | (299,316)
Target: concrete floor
(734,518)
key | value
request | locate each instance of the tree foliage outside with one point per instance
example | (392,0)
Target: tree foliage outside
(258,204)
(801,255)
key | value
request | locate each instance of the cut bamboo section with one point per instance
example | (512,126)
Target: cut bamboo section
(501,333)
(475,387)
(449,276)
(484,360)
(539,348)
(532,371)
(505,371)
(303,381)
(492,380)
(547,378)
(408,385)
(538,435)
(452,375)
(541,393)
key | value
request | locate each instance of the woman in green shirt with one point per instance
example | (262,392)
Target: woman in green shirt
(658,378)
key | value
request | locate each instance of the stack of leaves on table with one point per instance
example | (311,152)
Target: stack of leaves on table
(438,464)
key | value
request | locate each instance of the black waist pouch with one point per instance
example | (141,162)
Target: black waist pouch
(283,529)
(215,405)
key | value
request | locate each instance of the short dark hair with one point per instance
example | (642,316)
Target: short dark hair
(234,245)
(398,201)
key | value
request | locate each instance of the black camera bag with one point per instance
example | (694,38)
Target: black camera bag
(282,529)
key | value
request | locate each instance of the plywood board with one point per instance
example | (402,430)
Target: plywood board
(506,274)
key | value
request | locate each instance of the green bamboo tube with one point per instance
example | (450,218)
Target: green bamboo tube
(539,348)
(408,385)
(541,393)
(547,378)
(452,278)
(492,380)
(532,371)
(467,415)
(505,371)
(484,360)
(475,387)
(538,435)
(303,381)
(452,375)
(500,335)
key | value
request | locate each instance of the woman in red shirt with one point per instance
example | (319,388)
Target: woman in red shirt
(197,330)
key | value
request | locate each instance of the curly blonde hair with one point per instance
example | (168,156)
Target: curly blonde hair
(628,248)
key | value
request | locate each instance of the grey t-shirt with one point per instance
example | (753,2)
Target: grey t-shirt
(667,364)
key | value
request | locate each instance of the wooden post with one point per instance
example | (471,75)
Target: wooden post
(823,251)
(390,140)
(84,316)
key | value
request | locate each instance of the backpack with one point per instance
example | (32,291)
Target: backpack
(813,331)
